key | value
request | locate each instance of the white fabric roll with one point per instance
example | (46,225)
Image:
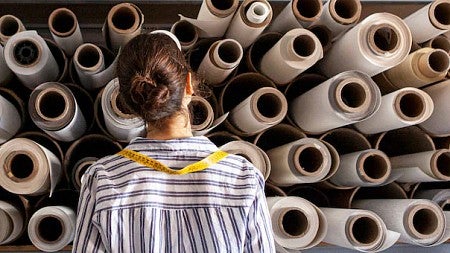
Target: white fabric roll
(438,123)
(65,30)
(88,60)
(297,14)
(10,120)
(12,222)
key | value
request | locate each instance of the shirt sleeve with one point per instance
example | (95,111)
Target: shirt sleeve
(87,237)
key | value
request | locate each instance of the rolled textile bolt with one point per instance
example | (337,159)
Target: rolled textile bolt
(438,42)
(29,168)
(201,113)
(439,196)
(28,56)
(222,137)
(186,33)
(405,107)
(9,25)
(437,124)
(266,107)
(13,222)
(297,224)
(295,52)
(54,109)
(124,22)
(121,125)
(323,34)
(429,166)
(10,120)
(52,228)
(382,41)
(65,30)
(297,14)
(344,99)
(88,61)
(6,74)
(429,21)
(222,59)
(360,230)
(250,20)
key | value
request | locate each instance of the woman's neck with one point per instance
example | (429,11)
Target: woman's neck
(175,128)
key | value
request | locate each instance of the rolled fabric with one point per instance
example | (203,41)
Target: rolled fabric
(222,59)
(201,114)
(437,124)
(122,126)
(419,221)
(65,30)
(124,22)
(252,153)
(88,61)
(250,20)
(439,196)
(295,52)
(296,223)
(54,109)
(344,99)
(5,73)
(429,21)
(29,57)
(438,42)
(214,17)
(9,25)
(381,41)
(52,228)
(264,108)
(340,15)
(360,230)
(13,222)
(10,120)
(297,14)
(186,33)
(306,160)
(405,107)
(29,168)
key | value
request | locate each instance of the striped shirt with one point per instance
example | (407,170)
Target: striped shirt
(127,207)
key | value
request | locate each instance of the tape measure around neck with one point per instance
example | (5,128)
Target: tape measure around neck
(154,164)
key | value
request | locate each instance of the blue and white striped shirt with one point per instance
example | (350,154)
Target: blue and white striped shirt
(127,207)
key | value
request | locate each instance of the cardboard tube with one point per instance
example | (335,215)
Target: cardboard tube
(65,30)
(294,53)
(297,14)
(29,57)
(201,113)
(382,40)
(439,196)
(13,221)
(10,120)
(273,191)
(122,126)
(54,109)
(429,21)
(88,60)
(52,228)
(310,193)
(186,33)
(252,17)
(124,22)
(256,51)
(222,137)
(6,74)
(323,34)
(278,135)
(9,25)
(29,168)
(438,42)
(297,224)
(222,58)
(437,124)
(346,98)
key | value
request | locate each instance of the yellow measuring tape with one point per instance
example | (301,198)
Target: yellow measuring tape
(152,163)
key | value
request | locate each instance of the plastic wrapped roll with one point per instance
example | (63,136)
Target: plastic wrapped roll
(52,228)
(124,22)
(13,222)
(214,17)
(346,98)
(119,124)
(186,33)
(438,123)
(294,53)
(252,153)
(10,120)
(297,224)
(420,222)
(9,25)
(360,230)
(222,59)
(63,25)
(252,17)
(297,14)
(439,196)
(306,160)
(438,42)
(405,107)
(5,74)
(29,57)
(382,40)
(29,168)
(429,21)
(54,109)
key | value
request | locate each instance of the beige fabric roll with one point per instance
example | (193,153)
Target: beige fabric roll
(297,14)
(9,25)
(65,30)
(438,123)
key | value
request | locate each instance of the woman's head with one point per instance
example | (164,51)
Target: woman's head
(153,75)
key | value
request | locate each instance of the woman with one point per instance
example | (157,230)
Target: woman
(131,203)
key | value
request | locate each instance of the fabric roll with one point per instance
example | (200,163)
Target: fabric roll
(65,30)
(202,116)
(9,25)
(186,33)
(29,57)
(438,123)
(297,14)
(405,107)
(344,99)
(5,73)
(381,41)
(88,61)
(12,220)
(10,120)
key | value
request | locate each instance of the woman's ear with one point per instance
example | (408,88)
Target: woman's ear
(189,90)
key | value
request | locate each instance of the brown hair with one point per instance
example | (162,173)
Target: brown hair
(152,74)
